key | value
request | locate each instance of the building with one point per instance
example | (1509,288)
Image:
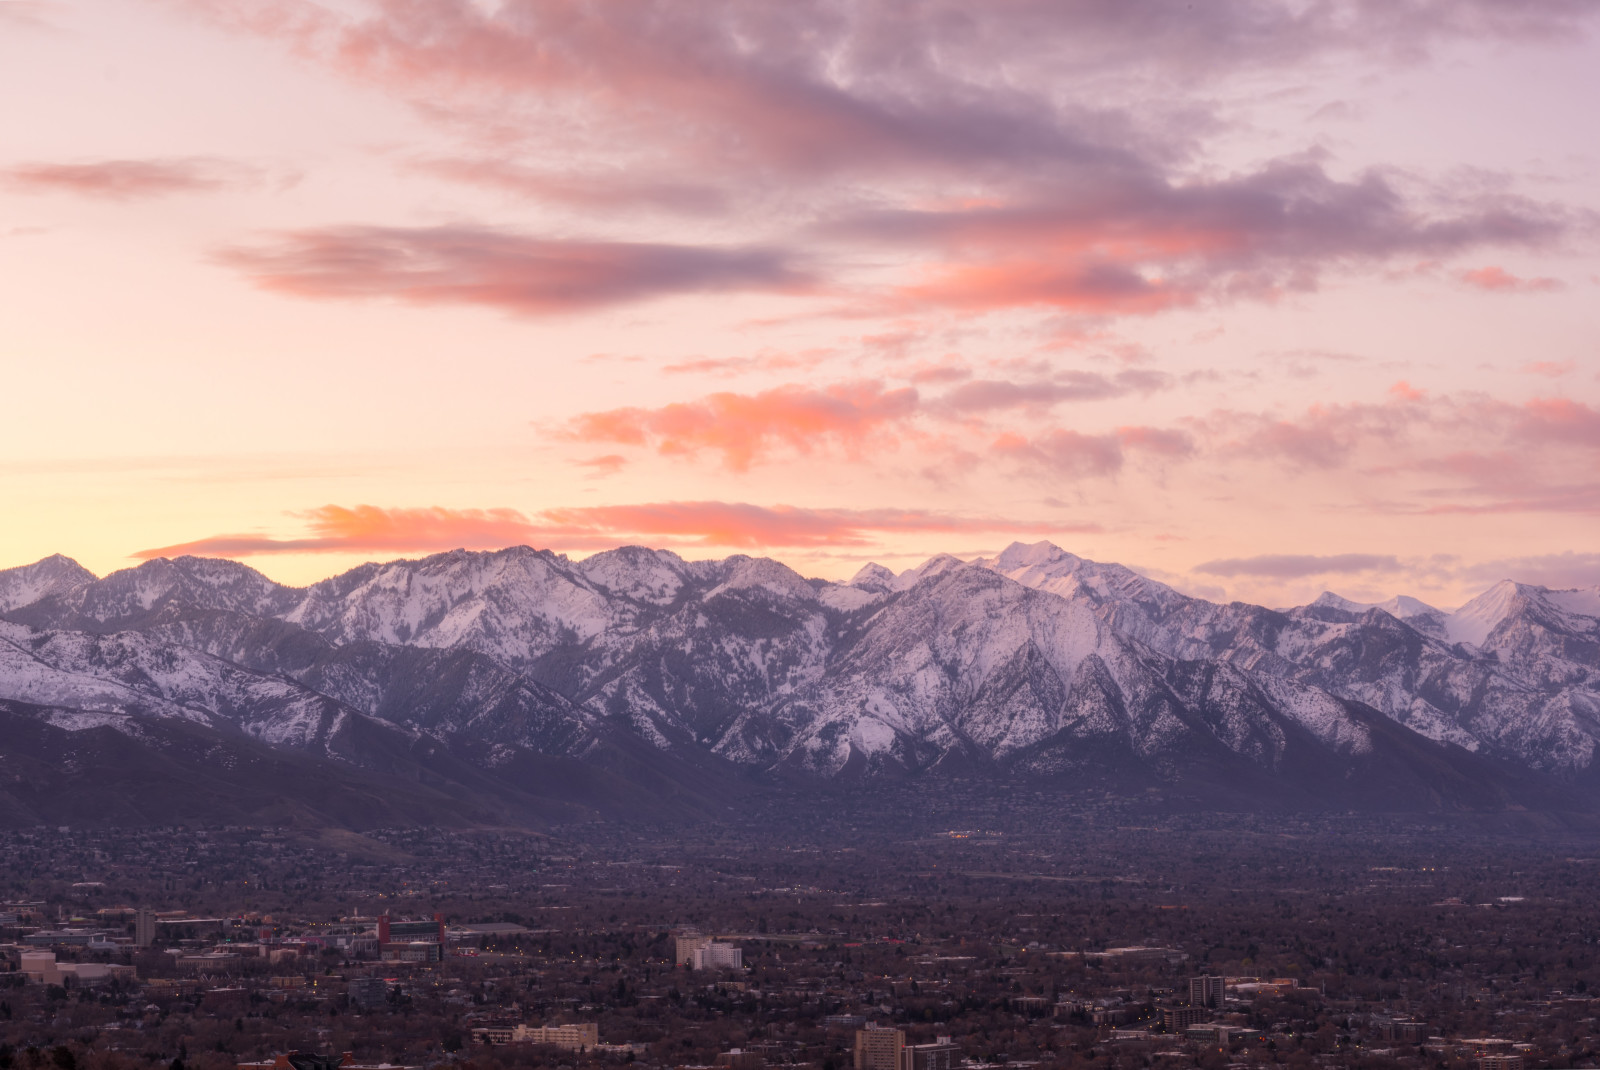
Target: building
(739,1059)
(687,942)
(144,928)
(940,1055)
(1206,991)
(718,956)
(368,992)
(494,1032)
(1499,1062)
(1180,1019)
(576,1036)
(879,1048)
(41,967)
(1400,1030)
(1220,1034)
(418,940)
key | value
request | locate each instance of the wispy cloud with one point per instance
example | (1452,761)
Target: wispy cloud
(128,180)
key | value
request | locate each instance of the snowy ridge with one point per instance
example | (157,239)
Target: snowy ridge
(1036,660)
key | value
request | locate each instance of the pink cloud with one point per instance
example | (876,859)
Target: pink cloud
(1498,280)
(1064,207)
(1062,453)
(370,529)
(848,417)
(474,265)
(981,395)
(1164,442)
(125,180)
(746,427)
(1553,369)
(608,465)
(1558,420)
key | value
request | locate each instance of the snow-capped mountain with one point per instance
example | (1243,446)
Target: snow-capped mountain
(1035,663)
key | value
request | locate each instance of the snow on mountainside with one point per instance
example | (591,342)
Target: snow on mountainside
(1035,661)
(53,576)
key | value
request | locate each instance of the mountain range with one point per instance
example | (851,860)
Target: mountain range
(522,686)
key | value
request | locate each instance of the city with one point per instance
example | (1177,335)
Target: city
(1044,939)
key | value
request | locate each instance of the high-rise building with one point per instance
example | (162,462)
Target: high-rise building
(368,992)
(718,956)
(1206,991)
(686,943)
(879,1048)
(144,928)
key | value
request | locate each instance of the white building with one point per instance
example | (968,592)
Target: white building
(713,955)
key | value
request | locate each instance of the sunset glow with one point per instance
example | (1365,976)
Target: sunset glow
(1258,299)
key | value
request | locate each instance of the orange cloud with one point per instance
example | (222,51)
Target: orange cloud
(744,427)
(369,528)
(1553,369)
(609,465)
(124,180)
(1499,280)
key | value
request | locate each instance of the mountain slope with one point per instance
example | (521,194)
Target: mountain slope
(635,682)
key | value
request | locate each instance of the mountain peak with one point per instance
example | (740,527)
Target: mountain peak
(1473,622)
(26,584)
(873,577)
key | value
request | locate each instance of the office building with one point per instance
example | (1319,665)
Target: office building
(718,956)
(1206,991)
(1179,1019)
(368,992)
(577,1036)
(687,942)
(942,1054)
(879,1048)
(144,928)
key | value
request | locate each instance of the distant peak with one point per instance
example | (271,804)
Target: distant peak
(873,577)
(1022,554)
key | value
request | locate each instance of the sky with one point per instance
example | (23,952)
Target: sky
(1258,298)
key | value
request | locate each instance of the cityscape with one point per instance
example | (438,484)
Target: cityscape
(1097,937)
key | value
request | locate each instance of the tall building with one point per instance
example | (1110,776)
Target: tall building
(1206,991)
(368,992)
(717,956)
(144,928)
(879,1048)
(687,942)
